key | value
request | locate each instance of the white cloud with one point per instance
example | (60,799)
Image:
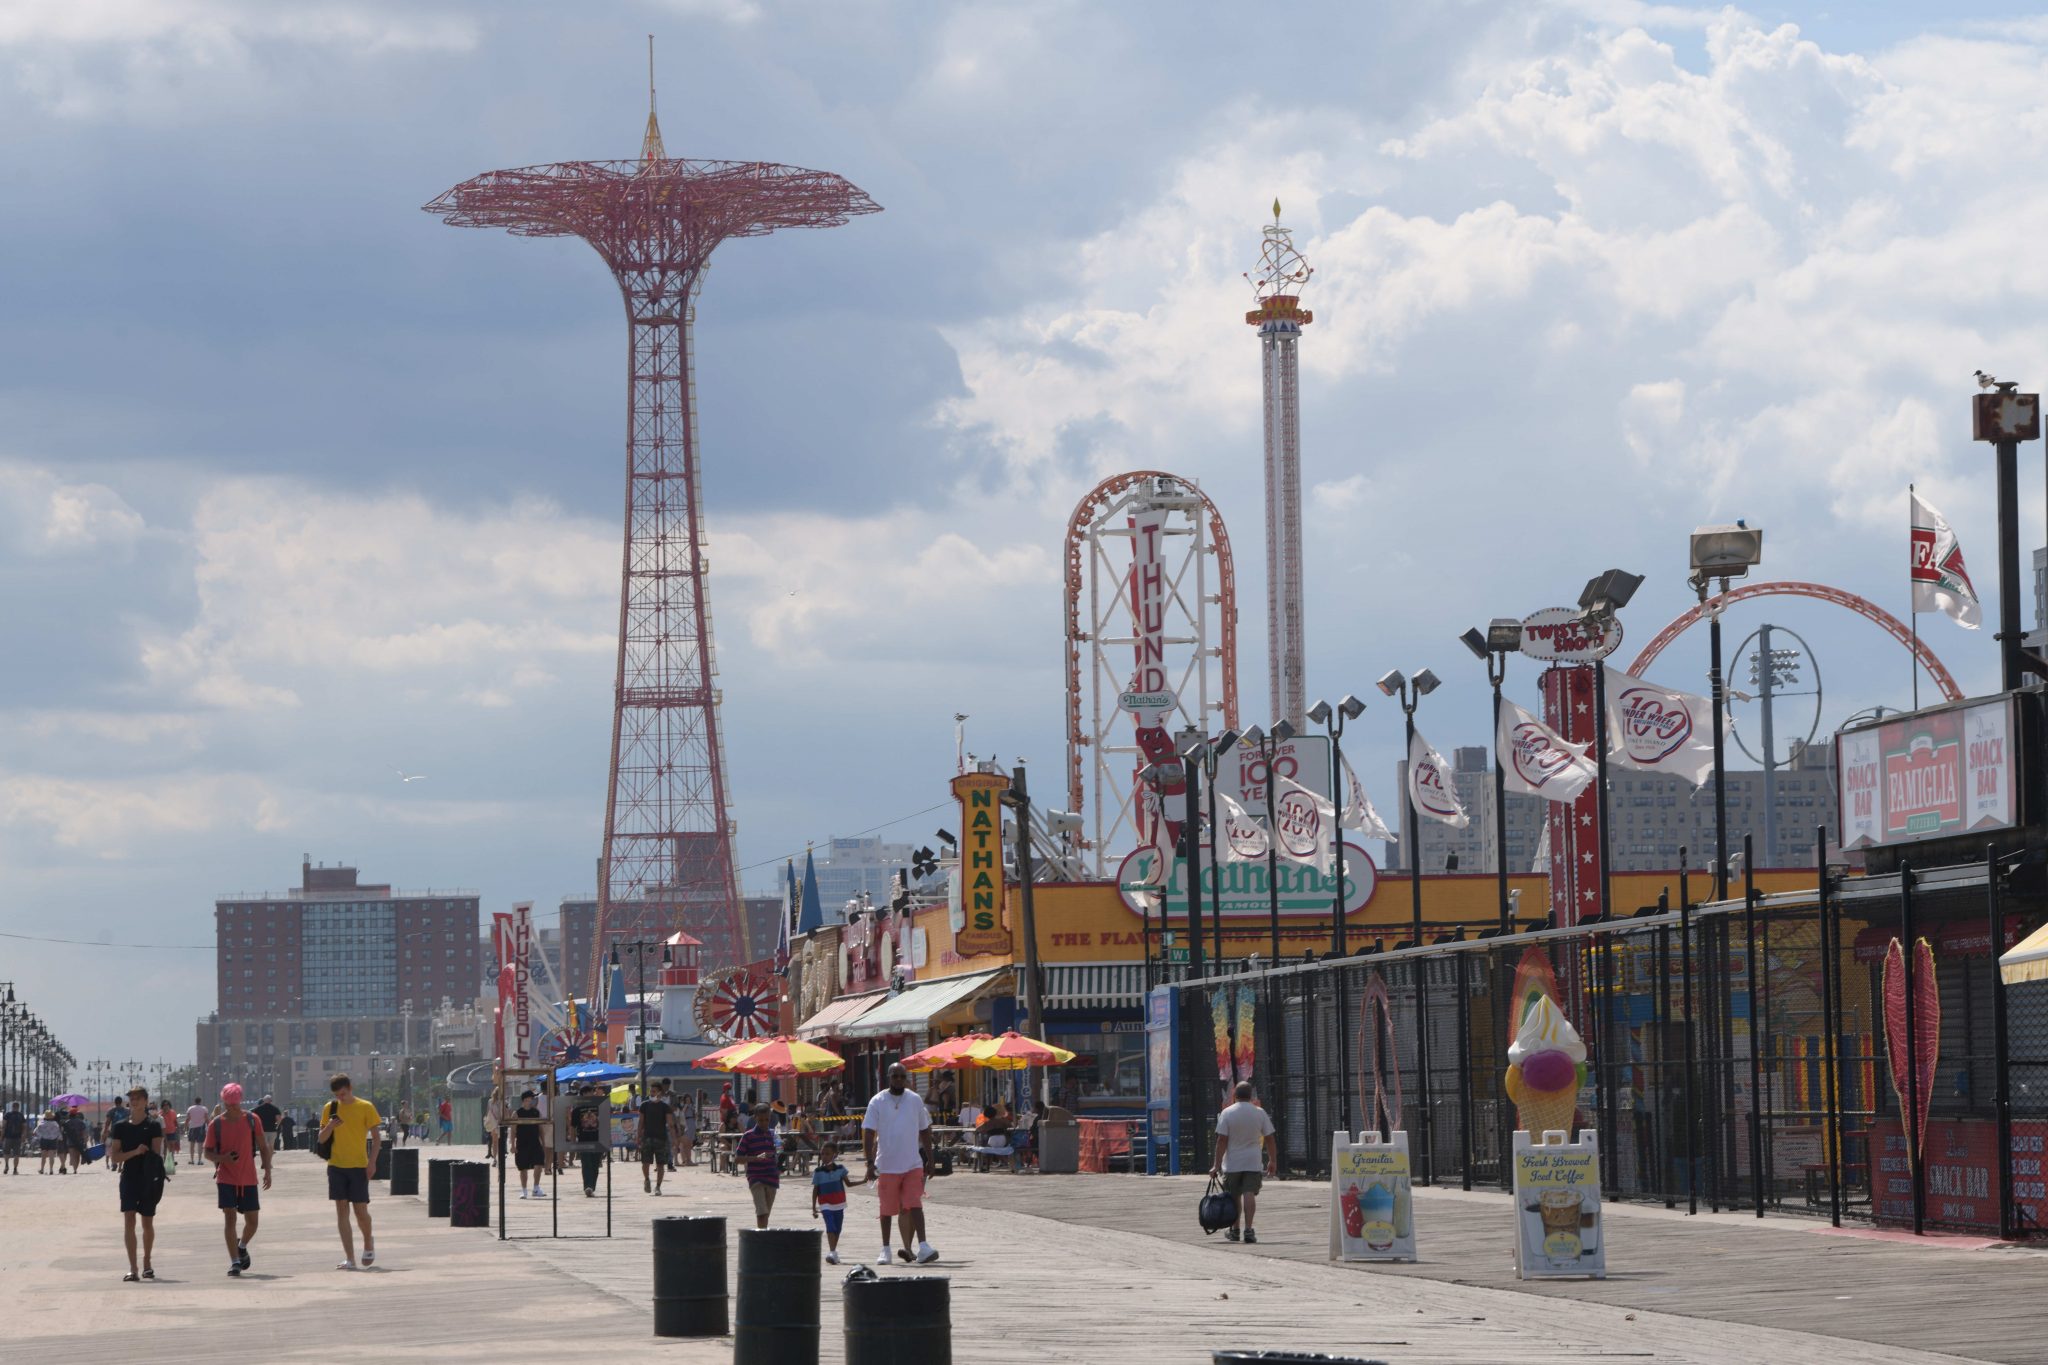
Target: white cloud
(41,514)
(121,818)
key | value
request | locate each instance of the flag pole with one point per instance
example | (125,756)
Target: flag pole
(1912,597)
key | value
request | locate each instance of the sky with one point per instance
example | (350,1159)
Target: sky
(300,487)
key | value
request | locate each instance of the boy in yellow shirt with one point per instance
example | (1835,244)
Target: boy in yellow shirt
(350,1126)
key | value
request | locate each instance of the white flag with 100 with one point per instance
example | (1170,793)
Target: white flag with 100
(1538,760)
(1358,813)
(1431,786)
(1659,729)
(1244,838)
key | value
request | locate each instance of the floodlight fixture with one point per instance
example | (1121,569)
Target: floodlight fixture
(1726,552)
(1320,712)
(1391,683)
(1426,682)
(1351,708)
(1282,731)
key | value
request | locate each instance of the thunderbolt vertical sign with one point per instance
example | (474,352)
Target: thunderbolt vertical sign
(982,890)
(522,978)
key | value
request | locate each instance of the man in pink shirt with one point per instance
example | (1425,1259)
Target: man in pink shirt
(235,1143)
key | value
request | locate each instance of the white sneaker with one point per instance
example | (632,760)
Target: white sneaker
(926,1253)
(831,1258)
(884,1257)
(540,1193)
(522,1192)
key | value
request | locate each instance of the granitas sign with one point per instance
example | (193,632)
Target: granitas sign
(1930,775)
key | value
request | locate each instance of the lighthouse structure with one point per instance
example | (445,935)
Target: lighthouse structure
(1276,285)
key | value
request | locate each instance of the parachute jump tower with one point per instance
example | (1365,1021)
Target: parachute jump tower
(667,862)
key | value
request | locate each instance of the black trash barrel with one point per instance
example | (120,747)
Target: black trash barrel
(689,1277)
(898,1321)
(437,1185)
(469,1195)
(776,1315)
(383,1171)
(1286,1358)
(405,1171)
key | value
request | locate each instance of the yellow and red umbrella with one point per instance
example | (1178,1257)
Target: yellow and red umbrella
(950,1055)
(782,1056)
(1013,1052)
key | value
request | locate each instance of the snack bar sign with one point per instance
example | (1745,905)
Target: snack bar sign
(1930,775)
(982,891)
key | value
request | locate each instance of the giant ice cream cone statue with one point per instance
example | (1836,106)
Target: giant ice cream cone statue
(1546,1064)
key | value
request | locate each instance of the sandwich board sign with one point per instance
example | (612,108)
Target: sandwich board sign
(1557,1208)
(1372,1217)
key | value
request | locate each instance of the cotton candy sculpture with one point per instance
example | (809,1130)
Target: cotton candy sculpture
(1546,1065)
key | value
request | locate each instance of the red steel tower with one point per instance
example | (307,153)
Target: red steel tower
(668,861)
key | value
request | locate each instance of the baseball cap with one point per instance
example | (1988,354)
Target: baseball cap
(231,1093)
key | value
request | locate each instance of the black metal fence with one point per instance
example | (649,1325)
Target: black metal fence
(1737,1053)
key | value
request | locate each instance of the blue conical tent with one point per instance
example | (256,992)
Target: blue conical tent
(813,914)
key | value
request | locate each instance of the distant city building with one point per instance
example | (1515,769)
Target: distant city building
(292,1059)
(762,929)
(337,948)
(847,867)
(1652,816)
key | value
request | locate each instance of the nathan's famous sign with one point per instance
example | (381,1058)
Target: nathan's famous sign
(1243,890)
(984,928)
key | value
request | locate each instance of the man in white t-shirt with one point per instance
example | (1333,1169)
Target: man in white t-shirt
(1244,1153)
(196,1119)
(896,1139)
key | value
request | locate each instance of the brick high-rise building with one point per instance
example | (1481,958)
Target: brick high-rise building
(337,948)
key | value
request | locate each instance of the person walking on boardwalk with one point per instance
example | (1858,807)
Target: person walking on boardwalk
(196,1117)
(236,1144)
(527,1152)
(447,1121)
(896,1139)
(349,1126)
(762,1154)
(828,1197)
(13,1137)
(136,1147)
(1245,1153)
(657,1118)
(117,1112)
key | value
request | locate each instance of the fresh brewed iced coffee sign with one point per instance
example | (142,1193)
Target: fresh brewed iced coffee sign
(1930,775)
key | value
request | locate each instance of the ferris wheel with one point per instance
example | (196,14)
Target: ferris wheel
(734,1005)
(568,1046)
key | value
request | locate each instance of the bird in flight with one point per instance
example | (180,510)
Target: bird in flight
(404,776)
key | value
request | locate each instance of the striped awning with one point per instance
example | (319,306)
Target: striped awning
(1095,985)
(831,1021)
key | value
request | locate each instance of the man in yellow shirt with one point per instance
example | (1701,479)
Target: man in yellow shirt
(350,1126)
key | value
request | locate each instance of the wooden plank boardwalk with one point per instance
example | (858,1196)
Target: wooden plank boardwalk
(1043,1269)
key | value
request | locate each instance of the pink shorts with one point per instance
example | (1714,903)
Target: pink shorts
(900,1192)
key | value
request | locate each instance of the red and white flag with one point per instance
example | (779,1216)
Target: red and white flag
(1940,582)
(1358,813)
(1659,729)
(1244,838)
(1538,761)
(1431,785)
(1307,825)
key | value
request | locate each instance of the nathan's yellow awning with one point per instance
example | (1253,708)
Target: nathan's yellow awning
(2026,960)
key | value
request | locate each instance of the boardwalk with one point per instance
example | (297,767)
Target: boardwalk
(1118,1272)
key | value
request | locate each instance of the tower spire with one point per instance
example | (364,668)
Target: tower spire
(650,144)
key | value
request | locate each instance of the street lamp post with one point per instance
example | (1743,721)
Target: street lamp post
(640,948)
(1726,553)
(1268,743)
(1409,692)
(1603,596)
(1332,720)
(1502,637)
(1212,752)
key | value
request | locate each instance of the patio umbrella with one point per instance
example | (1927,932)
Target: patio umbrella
(1013,1052)
(69,1102)
(715,1061)
(783,1056)
(593,1071)
(950,1055)
(2026,960)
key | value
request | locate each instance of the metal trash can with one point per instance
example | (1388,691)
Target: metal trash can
(775,1314)
(383,1171)
(1286,1358)
(437,1185)
(1059,1142)
(469,1195)
(903,1320)
(689,1277)
(405,1171)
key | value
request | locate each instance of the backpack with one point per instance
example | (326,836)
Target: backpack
(255,1135)
(1218,1210)
(324,1147)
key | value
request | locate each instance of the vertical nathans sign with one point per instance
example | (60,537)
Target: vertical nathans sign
(1930,775)
(982,890)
